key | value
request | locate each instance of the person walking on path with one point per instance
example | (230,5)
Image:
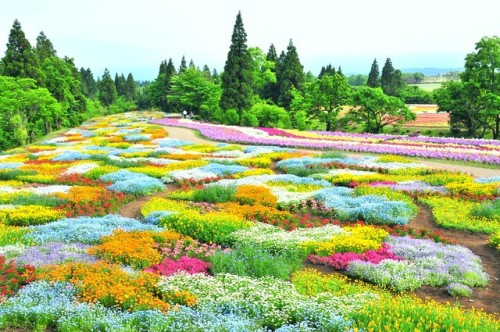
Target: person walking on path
(184,113)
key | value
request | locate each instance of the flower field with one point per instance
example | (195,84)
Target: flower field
(482,151)
(226,232)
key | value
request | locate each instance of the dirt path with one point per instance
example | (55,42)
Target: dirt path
(189,135)
(488,298)
(133,209)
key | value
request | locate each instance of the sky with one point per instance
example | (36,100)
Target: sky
(135,36)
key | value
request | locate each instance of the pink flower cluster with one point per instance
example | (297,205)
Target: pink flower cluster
(185,264)
(340,261)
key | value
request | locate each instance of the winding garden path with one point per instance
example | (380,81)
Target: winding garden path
(487,299)
(195,137)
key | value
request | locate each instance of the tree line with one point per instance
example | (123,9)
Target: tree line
(41,92)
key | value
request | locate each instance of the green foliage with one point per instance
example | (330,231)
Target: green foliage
(31,199)
(305,172)
(474,101)
(230,117)
(376,110)
(44,47)
(122,104)
(249,119)
(215,194)
(193,91)
(23,105)
(246,260)
(325,98)
(237,89)
(271,115)
(300,120)
(333,154)
(391,80)
(20,60)
(107,89)
(373,77)
(487,209)
(290,75)
(412,94)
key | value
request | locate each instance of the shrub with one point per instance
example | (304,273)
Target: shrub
(459,290)
(488,209)
(247,260)
(494,240)
(215,194)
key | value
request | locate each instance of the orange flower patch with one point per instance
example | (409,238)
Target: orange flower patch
(139,249)
(83,194)
(255,195)
(108,285)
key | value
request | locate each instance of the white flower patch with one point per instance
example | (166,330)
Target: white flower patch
(194,174)
(54,140)
(80,169)
(158,161)
(7,206)
(48,190)
(229,154)
(285,196)
(7,189)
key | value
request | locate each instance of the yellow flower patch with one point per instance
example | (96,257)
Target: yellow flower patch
(390,158)
(162,204)
(203,148)
(253,172)
(26,215)
(358,239)
(473,188)
(292,187)
(261,162)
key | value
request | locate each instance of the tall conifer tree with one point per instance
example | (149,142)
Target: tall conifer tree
(373,76)
(44,47)
(237,76)
(20,59)
(107,89)
(290,75)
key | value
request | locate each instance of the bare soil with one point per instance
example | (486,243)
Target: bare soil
(487,298)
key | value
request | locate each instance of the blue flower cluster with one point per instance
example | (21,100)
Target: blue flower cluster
(372,209)
(132,183)
(172,143)
(71,156)
(136,138)
(305,161)
(299,180)
(221,169)
(490,179)
(10,165)
(258,148)
(155,217)
(84,229)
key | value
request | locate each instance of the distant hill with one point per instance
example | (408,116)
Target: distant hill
(431,71)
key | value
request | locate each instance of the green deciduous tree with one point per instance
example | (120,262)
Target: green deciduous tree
(192,91)
(20,59)
(375,110)
(263,73)
(23,107)
(326,97)
(237,86)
